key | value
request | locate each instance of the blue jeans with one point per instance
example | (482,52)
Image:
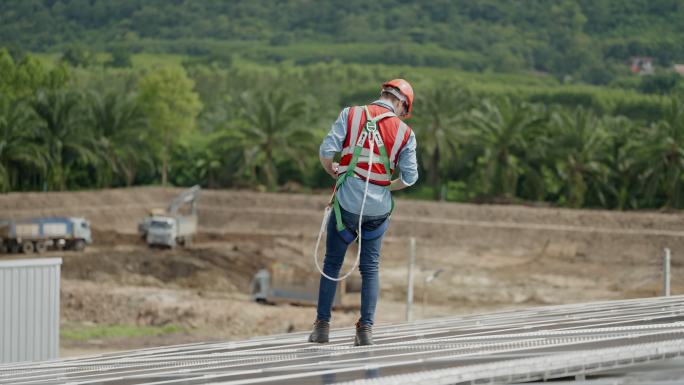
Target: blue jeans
(335,250)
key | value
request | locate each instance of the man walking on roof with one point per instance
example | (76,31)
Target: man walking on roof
(363,194)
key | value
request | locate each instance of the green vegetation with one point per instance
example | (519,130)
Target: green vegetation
(84,333)
(516,101)
(590,40)
(493,139)
(171,106)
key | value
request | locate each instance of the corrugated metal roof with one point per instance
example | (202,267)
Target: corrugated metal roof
(618,338)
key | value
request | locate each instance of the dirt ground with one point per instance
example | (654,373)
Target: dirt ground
(492,257)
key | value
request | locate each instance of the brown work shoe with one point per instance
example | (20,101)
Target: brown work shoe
(364,335)
(321,330)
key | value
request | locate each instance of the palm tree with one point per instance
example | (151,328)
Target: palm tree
(224,160)
(63,134)
(661,156)
(122,136)
(272,128)
(441,109)
(581,146)
(503,132)
(208,166)
(19,151)
(623,185)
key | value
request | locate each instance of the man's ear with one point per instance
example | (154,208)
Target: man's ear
(399,106)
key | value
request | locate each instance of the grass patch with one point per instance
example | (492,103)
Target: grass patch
(141,60)
(83,333)
(148,60)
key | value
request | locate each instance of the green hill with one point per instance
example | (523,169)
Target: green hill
(589,39)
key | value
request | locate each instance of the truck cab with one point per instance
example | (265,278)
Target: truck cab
(172,226)
(162,231)
(82,229)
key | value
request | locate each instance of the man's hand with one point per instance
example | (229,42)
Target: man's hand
(397,184)
(330,167)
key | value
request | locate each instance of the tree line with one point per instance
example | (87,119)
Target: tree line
(259,127)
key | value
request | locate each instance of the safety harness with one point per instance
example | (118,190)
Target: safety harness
(370,132)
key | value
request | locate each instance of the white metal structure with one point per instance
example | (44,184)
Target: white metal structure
(627,342)
(29,309)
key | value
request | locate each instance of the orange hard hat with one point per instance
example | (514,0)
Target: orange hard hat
(405,89)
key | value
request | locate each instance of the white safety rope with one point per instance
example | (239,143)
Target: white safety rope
(326,218)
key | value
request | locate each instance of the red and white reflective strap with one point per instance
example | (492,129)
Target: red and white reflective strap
(398,141)
(382,116)
(354,129)
(373,175)
(350,150)
(365,174)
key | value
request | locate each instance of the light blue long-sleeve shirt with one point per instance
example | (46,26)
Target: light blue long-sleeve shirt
(350,194)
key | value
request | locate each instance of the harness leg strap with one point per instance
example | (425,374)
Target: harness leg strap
(377,233)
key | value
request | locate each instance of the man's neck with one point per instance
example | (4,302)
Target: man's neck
(388,103)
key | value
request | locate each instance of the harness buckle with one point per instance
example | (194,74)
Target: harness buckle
(371,126)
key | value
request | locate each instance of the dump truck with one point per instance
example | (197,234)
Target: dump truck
(285,283)
(172,227)
(41,234)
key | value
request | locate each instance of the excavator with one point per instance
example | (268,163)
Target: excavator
(169,228)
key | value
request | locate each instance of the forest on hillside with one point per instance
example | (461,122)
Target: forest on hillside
(587,40)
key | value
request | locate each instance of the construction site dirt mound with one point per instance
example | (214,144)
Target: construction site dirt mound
(489,257)
(216,266)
